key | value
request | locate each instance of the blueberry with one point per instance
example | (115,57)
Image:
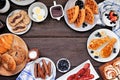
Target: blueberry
(115,15)
(114,50)
(108,17)
(98,34)
(84,25)
(92,51)
(96,57)
(79,3)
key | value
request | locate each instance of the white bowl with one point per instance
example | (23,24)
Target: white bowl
(42,6)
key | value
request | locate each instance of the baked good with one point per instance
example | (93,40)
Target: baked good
(110,72)
(19,21)
(89,16)
(18,54)
(19,27)
(72,14)
(92,5)
(5,43)
(15,19)
(116,65)
(8,62)
(96,43)
(81,17)
(26,20)
(107,50)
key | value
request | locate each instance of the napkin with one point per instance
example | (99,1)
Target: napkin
(27,74)
(109,4)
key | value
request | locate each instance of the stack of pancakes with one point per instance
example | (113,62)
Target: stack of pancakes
(86,14)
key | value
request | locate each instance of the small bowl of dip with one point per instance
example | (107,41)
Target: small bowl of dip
(56,11)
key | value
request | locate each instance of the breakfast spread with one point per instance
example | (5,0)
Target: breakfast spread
(82,12)
(82,74)
(42,71)
(111,70)
(19,21)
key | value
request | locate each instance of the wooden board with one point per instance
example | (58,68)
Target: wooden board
(19,42)
(101,68)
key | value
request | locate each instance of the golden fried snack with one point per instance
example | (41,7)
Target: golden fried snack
(96,43)
(89,16)
(40,73)
(81,17)
(107,50)
(72,14)
(8,62)
(110,72)
(18,54)
(5,43)
(92,5)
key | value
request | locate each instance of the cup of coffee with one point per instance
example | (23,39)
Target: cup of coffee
(4,6)
(56,11)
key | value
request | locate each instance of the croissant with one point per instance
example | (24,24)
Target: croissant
(96,43)
(107,50)
(110,72)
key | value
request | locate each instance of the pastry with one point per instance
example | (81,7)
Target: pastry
(20,27)
(89,16)
(72,14)
(15,19)
(117,66)
(18,54)
(110,72)
(26,20)
(8,62)
(107,50)
(92,5)
(19,21)
(81,17)
(96,43)
(5,43)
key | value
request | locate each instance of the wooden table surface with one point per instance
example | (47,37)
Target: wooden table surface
(55,39)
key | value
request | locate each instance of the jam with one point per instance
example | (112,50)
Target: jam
(57,11)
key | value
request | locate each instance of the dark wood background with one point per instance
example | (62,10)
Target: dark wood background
(55,39)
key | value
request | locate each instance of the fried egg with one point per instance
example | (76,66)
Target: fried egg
(38,13)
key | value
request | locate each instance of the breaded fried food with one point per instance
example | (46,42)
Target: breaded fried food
(89,16)
(72,14)
(92,5)
(81,17)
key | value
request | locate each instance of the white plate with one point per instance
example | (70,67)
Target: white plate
(53,68)
(116,45)
(22,2)
(9,27)
(70,4)
(75,70)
